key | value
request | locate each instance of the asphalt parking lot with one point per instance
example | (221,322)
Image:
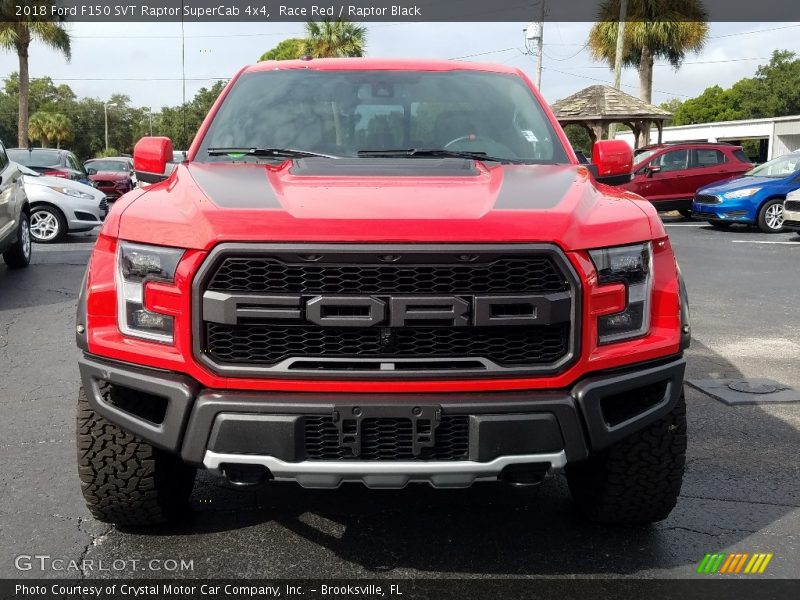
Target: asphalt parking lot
(741,493)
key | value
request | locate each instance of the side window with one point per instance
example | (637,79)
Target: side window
(3,157)
(674,160)
(708,157)
(73,163)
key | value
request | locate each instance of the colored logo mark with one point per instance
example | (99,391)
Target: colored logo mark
(735,563)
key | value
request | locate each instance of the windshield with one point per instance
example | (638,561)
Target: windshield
(342,113)
(643,155)
(107,165)
(36,158)
(777,167)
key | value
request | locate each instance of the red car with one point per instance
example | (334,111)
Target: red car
(669,174)
(381,271)
(112,176)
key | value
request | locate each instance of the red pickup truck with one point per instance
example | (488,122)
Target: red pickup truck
(382,271)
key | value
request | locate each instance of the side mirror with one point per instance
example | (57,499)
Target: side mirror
(612,161)
(652,169)
(91,171)
(150,158)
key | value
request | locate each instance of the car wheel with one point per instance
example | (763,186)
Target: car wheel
(19,255)
(770,217)
(48,225)
(720,224)
(685,213)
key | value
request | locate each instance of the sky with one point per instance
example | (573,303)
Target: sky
(144,60)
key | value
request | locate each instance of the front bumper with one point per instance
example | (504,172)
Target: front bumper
(545,429)
(791,215)
(742,210)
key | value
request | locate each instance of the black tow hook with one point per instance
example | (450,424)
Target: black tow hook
(525,475)
(246,475)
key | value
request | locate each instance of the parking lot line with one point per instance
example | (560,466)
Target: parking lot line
(685,224)
(765,242)
(64,247)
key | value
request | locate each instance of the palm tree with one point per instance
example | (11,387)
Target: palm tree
(332,39)
(666,29)
(39,128)
(59,128)
(17,36)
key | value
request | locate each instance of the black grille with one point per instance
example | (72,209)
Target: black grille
(386,439)
(505,275)
(104,205)
(792,205)
(268,344)
(707,199)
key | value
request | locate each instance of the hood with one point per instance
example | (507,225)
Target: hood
(383,200)
(62,182)
(738,184)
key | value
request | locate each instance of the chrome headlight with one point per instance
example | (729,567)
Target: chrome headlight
(745,193)
(70,192)
(136,265)
(633,266)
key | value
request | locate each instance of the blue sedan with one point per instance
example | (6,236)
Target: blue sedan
(755,198)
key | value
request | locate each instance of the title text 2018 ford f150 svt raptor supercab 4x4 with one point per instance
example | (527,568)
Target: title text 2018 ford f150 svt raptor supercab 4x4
(382,271)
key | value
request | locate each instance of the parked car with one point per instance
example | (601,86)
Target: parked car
(791,211)
(60,206)
(757,198)
(668,175)
(51,162)
(113,176)
(15,231)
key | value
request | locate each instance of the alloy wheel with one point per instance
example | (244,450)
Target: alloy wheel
(774,216)
(44,226)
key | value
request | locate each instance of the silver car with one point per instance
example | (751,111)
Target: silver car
(15,232)
(60,206)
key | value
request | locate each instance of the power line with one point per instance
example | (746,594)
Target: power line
(609,83)
(482,53)
(717,37)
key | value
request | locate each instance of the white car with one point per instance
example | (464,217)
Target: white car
(60,206)
(791,211)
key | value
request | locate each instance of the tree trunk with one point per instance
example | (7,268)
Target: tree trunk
(646,75)
(24,90)
(646,88)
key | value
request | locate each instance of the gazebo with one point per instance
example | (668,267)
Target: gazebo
(597,106)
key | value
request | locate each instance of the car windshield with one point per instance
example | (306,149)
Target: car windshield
(107,165)
(35,158)
(642,155)
(782,166)
(344,113)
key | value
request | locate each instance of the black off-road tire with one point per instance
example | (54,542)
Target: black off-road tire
(637,480)
(124,479)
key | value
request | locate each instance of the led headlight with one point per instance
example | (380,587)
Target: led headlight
(70,192)
(745,193)
(136,265)
(633,266)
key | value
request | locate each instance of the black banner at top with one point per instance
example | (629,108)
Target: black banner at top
(262,11)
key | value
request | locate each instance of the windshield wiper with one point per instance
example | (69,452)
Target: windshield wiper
(267,152)
(435,152)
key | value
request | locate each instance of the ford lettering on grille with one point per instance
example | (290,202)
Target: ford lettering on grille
(401,311)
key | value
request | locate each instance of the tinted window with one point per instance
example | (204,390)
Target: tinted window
(741,156)
(35,158)
(674,160)
(708,157)
(343,112)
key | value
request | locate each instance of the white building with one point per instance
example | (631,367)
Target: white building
(778,136)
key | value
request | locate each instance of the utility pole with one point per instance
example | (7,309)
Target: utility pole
(534,42)
(540,48)
(623,15)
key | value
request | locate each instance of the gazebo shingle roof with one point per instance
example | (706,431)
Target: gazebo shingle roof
(605,103)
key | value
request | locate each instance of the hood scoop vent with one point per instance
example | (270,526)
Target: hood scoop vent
(384,167)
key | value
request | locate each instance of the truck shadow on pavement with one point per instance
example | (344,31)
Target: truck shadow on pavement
(741,478)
